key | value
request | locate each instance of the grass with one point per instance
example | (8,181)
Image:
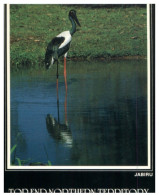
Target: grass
(104,33)
(19,162)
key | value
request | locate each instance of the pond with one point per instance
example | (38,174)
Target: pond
(97,115)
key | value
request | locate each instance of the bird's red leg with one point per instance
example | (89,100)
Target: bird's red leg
(66,89)
(57,90)
(57,83)
(66,108)
(65,73)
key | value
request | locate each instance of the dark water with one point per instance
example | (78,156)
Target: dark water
(101,119)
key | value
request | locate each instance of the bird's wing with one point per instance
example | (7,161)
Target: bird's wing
(54,45)
(52,51)
(57,41)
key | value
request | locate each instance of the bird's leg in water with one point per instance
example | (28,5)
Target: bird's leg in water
(65,73)
(58,110)
(57,97)
(57,87)
(66,109)
(57,74)
(66,90)
(57,90)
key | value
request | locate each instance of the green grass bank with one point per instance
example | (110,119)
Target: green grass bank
(105,33)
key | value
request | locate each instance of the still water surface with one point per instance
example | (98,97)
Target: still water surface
(100,119)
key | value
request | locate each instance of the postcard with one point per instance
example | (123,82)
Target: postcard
(79,98)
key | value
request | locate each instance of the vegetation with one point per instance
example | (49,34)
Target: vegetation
(19,162)
(104,33)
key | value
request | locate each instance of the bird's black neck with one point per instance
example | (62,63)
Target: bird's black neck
(73,29)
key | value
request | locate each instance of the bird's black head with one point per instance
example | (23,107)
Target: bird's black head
(72,14)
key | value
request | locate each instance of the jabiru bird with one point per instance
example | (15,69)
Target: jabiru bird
(60,44)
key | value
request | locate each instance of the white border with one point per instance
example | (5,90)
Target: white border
(9,167)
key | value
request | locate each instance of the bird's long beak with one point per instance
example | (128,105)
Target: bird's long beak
(75,17)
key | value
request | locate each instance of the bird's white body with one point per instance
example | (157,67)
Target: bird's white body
(67,36)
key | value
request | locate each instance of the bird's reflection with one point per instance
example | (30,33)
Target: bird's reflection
(58,131)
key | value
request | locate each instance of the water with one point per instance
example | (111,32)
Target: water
(100,119)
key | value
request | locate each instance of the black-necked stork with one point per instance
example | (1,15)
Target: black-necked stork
(60,44)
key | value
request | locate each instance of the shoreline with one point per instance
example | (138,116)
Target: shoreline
(109,59)
(39,65)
